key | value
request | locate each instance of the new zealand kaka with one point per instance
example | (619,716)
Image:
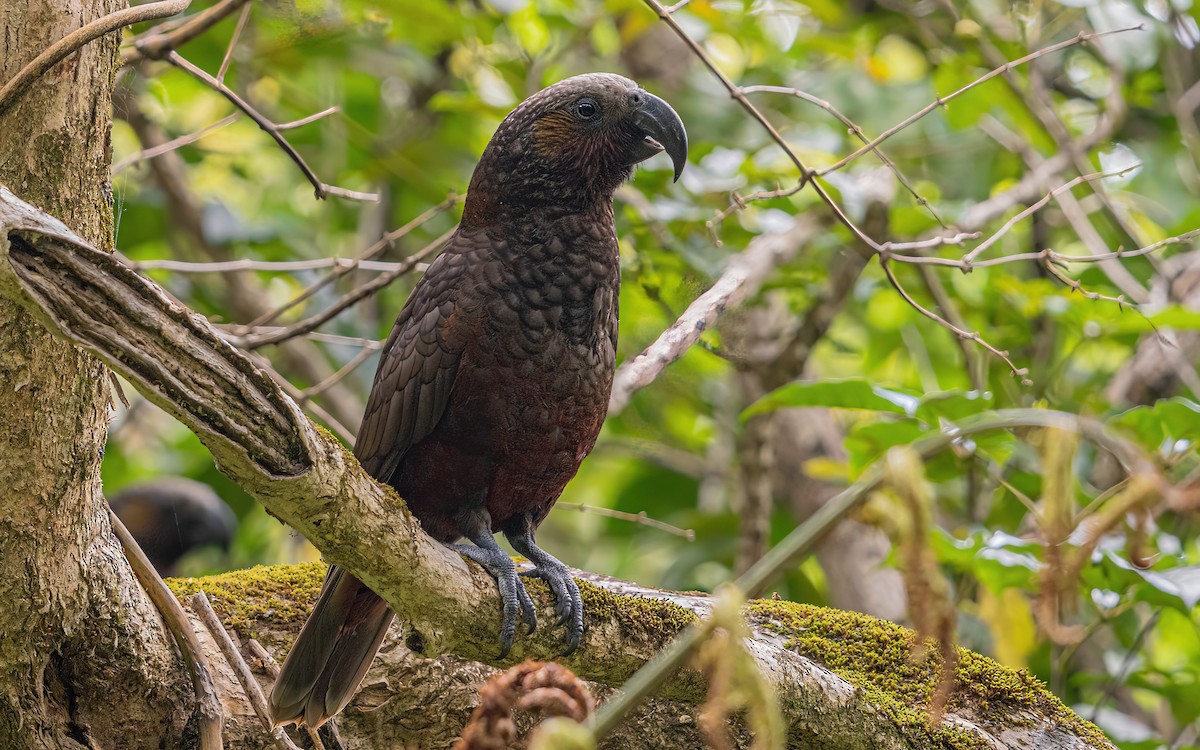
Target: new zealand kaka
(172,516)
(494,382)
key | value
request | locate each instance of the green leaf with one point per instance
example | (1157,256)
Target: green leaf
(1166,421)
(835,394)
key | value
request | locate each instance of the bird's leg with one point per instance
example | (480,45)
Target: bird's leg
(475,525)
(569,607)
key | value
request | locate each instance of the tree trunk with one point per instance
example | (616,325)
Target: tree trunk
(73,621)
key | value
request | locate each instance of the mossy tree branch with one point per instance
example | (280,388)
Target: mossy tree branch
(844,680)
(303,476)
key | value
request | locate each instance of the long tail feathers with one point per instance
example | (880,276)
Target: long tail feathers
(334,650)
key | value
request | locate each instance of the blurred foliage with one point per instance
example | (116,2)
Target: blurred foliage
(421,86)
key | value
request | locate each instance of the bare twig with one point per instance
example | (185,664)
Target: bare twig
(1036,101)
(270,666)
(211,716)
(1127,662)
(355,362)
(982,246)
(352,297)
(247,264)
(1051,255)
(342,269)
(322,189)
(639,518)
(735,92)
(158,41)
(854,130)
(233,657)
(174,143)
(1082,37)
(932,242)
(237,33)
(1020,372)
(933,285)
(61,49)
(310,119)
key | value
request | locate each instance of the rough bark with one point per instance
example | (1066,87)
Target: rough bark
(449,608)
(854,706)
(73,621)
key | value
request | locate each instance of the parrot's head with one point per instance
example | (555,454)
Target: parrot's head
(572,145)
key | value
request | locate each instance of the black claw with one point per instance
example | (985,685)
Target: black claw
(568,602)
(528,611)
(513,596)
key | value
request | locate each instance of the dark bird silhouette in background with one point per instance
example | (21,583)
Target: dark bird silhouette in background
(172,516)
(495,380)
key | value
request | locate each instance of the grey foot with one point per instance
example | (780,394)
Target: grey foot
(512,592)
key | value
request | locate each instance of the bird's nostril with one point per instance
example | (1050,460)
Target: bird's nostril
(636,98)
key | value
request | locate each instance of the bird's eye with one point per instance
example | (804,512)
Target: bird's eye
(587,108)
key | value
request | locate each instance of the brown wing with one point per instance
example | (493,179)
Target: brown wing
(419,363)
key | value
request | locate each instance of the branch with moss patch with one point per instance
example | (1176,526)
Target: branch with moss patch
(303,476)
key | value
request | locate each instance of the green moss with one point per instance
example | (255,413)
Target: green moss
(875,657)
(654,621)
(265,594)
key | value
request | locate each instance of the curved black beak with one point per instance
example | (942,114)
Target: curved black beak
(662,130)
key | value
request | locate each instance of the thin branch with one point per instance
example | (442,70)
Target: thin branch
(309,393)
(211,715)
(340,270)
(237,33)
(173,144)
(1051,255)
(310,119)
(270,666)
(1127,663)
(962,333)
(738,202)
(322,189)
(1072,210)
(334,338)
(932,242)
(247,264)
(90,32)
(735,92)
(1032,208)
(233,657)
(640,518)
(352,297)
(1082,37)
(158,41)
(933,285)
(1039,102)
(856,131)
